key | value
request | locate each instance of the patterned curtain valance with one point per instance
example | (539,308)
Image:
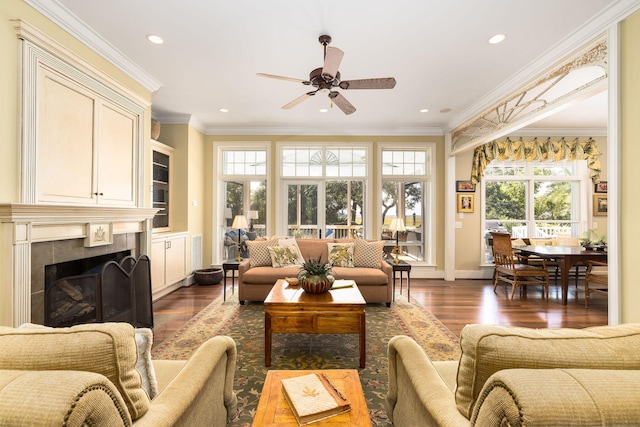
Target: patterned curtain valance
(532,151)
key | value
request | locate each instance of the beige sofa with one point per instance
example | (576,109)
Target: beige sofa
(89,375)
(375,284)
(510,376)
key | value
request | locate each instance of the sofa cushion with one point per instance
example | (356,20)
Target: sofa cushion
(364,276)
(107,348)
(144,364)
(367,254)
(487,349)
(284,256)
(314,249)
(268,275)
(259,251)
(340,254)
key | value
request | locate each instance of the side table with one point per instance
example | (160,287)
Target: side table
(230,265)
(401,267)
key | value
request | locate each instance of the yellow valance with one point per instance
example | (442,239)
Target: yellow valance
(537,151)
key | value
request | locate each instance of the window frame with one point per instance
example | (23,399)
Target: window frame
(429,185)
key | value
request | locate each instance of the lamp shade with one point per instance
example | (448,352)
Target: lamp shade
(240,221)
(252,215)
(397,224)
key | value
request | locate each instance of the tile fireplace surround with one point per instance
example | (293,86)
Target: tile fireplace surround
(33,236)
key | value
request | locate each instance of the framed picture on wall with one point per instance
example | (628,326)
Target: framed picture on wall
(600,187)
(600,205)
(465,187)
(465,202)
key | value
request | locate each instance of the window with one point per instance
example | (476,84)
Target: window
(327,197)
(243,182)
(406,181)
(533,199)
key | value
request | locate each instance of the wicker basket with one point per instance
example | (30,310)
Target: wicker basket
(208,276)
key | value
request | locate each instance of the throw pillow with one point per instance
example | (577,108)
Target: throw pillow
(144,365)
(291,242)
(341,254)
(368,254)
(283,256)
(259,252)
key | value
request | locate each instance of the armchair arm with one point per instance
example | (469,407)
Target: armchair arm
(70,398)
(418,396)
(202,392)
(554,397)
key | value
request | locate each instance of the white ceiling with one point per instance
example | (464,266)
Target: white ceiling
(437,51)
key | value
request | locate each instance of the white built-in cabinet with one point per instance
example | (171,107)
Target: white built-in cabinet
(168,261)
(82,132)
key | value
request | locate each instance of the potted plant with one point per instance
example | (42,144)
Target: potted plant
(315,276)
(591,240)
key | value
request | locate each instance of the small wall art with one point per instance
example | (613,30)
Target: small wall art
(465,187)
(600,204)
(600,187)
(465,202)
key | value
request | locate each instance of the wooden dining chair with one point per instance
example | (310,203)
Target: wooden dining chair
(598,274)
(510,269)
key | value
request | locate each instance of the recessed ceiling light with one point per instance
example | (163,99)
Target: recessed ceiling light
(324,110)
(224,110)
(424,110)
(498,38)
(445,110)
(154,39)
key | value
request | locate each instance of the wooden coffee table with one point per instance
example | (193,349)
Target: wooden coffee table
(290,310)
(273,408)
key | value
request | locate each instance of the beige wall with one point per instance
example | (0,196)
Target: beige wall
(629,155)
(374,193)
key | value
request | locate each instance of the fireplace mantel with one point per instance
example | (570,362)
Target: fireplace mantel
(21,225)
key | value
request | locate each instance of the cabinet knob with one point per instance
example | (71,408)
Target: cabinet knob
(99,194)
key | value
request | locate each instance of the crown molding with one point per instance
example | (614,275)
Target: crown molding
(595,27)
(60,15)
(304,130)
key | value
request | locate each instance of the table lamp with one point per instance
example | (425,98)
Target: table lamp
(251,215)
(397,225)
(239,222)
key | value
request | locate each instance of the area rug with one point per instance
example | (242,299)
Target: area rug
(245,324)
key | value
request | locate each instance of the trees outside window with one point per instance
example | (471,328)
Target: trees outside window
(534,200)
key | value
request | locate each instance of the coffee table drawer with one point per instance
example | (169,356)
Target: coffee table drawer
(338,325)
(292,324)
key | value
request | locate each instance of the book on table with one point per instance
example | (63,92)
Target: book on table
(343,283)
(313,397)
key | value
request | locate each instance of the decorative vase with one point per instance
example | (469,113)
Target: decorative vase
(317,284)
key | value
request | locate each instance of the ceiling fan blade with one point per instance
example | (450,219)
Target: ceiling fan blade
(381,83)
(342,103)
(289,79)
(298,100)
(331,62)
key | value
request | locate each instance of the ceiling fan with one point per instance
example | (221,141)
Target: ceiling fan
(327,77)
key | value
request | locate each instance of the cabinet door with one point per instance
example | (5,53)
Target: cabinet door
(158,264)
(64,154)
(116,156)
(176,259)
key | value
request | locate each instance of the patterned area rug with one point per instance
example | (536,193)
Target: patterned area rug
(245,324)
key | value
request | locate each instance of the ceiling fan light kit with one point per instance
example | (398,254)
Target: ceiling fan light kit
(327,77)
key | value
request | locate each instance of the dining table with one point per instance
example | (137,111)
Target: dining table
(566,257)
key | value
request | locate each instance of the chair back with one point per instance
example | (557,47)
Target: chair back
(502,249)
(567,241)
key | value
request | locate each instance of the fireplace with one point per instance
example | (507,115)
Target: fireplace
(107,288)
(34,236)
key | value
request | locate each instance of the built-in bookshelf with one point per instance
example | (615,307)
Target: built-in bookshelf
(161,186)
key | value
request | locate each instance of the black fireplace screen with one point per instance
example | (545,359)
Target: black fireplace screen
(120,292)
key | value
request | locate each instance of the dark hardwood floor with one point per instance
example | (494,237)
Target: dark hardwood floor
(455,303)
